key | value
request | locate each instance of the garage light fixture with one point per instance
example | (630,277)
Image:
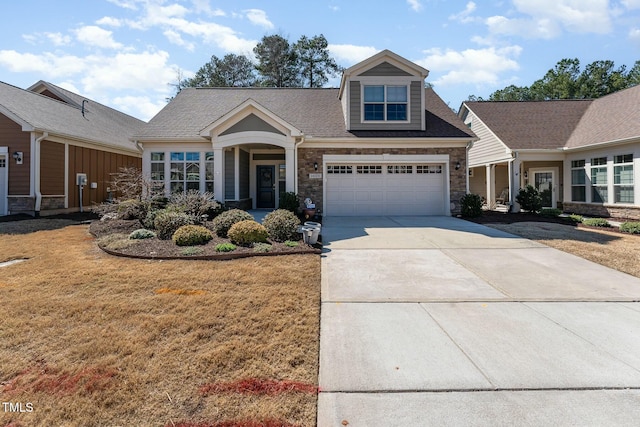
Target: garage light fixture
(458,165)
(17,156)
(315,166)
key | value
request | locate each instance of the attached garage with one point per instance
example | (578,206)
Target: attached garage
(376,188)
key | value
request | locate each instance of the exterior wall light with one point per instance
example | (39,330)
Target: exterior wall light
(17,156)
(458,165)
(315,166)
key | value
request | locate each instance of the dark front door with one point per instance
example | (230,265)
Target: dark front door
(266,194)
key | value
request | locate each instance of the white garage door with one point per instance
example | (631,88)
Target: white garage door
(394,189)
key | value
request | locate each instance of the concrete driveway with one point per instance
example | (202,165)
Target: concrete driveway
(439,321)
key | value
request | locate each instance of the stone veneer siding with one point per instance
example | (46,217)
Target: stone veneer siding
(312,188)
(598,210)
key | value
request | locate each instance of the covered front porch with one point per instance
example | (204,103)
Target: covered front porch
(499,183)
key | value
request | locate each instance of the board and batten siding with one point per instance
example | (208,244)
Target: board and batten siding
(98,165)
(229,175)
(12,136)
(415,110)
(51,168)
(488,148)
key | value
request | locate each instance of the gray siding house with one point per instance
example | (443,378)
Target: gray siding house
(381,144)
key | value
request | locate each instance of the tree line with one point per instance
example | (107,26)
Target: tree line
(567,81)
(277,63)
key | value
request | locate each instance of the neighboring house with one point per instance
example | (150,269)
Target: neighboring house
(48,136)
(382,143)
(583,155)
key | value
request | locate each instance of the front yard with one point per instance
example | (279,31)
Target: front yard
(88,339)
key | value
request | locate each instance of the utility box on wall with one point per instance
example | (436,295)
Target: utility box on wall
(81,179)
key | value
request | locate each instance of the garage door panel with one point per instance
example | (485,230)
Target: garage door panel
(399,189)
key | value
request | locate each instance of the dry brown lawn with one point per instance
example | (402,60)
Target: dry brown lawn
(616,250)
(93,340)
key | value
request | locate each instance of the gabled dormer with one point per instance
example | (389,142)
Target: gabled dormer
(384,92)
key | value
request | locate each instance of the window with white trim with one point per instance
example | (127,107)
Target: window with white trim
(385,103)
(157,172)
(369,169)
(623,179)
(339,169)
(208,172)
(578,181)
(429,169)
(599,187)
(399,169)
(185,172)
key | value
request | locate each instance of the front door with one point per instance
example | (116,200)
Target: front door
(266,191)
(543,181)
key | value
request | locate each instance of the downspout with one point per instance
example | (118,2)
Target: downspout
(295,163)
(36,176)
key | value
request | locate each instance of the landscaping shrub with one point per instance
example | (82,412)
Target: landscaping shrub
(281,225)
(529,199)
(550,212)
(142,233)
(196,204)
(225,247)
(246,232)
(471,205)
(223,222)
(190,235)
(289,201)
(596,222)
(576,218)
(261,247)
(291,244)
(132,209)
(166,222)
(630,227)
(191,250)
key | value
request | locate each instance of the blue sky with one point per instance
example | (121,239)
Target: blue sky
(126,53)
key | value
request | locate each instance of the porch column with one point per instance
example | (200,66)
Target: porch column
(490,171)
(291,169)
(218,174)
(514,184)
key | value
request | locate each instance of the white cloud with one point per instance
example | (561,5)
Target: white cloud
(47,64)
(203,6)
(351,54)
(634,35)
(58,39)
(92,35)
(466,15)
(175,38)
(109,21)
(631,4)
(142,107)
(415,5)
(258,17)
(125,4)
(548,18)
(470,66)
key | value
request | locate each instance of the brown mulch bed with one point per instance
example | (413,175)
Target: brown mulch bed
(166,249)
(492,217)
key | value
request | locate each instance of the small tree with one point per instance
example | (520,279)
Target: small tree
(529,199)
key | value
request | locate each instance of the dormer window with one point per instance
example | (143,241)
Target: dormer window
(385,103)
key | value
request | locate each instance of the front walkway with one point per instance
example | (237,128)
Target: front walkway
(438,321)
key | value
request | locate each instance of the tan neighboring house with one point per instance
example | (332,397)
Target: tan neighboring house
(583,155)
(381,144)
(50,138)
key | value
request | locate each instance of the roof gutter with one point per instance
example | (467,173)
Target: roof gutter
(603,144)
(36,175)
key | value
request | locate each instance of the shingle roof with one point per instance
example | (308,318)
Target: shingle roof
(610,118)
(531,125)
(316,112)
(101,124)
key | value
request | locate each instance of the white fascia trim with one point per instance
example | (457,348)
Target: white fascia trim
(385,158)
(174,140)
(506,147)
(93,145)
(630,140)
(26,126)
(385,143)
(254,137)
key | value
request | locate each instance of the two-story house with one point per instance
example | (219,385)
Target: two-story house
(382,144)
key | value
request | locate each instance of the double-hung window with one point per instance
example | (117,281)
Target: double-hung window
(623,179)
(599,187)
(385,103)
(578,181)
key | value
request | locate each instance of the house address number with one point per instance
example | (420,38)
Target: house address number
(315,176)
